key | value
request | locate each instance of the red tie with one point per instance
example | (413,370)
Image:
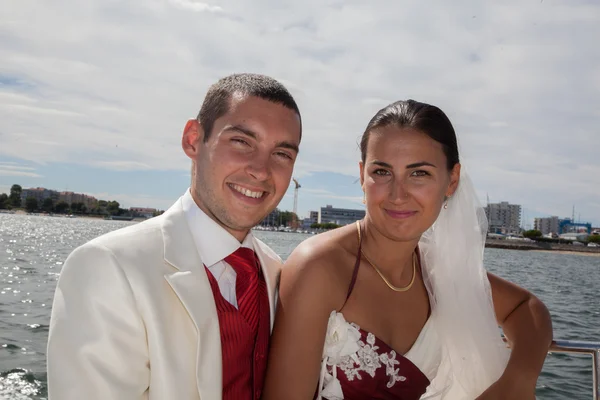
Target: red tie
(246,266)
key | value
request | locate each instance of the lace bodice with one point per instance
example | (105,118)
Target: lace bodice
(356,364)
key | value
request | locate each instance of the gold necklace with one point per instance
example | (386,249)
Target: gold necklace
(394,288)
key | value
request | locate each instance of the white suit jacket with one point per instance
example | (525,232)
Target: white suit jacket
(134,316)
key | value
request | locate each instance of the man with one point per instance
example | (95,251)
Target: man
(181,306)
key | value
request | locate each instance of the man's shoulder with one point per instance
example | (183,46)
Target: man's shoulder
(143,234)
(133,250)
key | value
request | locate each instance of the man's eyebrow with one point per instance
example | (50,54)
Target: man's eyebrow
(241,129)
(248,132)
(289,146)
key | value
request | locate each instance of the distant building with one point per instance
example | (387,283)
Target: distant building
(567,225)
(142,212)
(313,217)
(339,216)
(40,194)
(503,217)
(547,226)
(72,197)
(67,197)
(272,219)
(306,223)
(582,237)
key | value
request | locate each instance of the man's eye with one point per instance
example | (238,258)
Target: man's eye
(241,141)
(284,155)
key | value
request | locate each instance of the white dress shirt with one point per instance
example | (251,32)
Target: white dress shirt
(213,244)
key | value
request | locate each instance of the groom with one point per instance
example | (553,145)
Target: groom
(181,306)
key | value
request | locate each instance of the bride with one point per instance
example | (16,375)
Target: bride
(399,306)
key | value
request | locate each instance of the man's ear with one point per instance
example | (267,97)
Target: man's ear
(192,137)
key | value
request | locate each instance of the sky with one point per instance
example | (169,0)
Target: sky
(94,94)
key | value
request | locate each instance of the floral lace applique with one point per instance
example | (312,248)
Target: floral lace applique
(345,349)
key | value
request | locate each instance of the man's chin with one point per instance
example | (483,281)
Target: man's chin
(244,225)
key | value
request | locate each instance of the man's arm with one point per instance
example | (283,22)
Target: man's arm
(97,346)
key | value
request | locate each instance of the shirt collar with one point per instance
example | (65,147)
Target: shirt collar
(212,241)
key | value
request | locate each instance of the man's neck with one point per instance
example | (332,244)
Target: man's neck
(239,235)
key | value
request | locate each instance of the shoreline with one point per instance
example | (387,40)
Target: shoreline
(542,247)
(65,216)
(489,243)
(579,253)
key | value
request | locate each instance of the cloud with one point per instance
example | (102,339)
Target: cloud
(123,165)
(111,84)
(326,194)
(14,169)
(196,6)
(9,172)
(14,166)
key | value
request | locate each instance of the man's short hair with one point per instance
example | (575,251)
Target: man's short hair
(218,98)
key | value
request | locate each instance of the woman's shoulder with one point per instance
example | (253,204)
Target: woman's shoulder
(322,262)
(327,244)
(328,252)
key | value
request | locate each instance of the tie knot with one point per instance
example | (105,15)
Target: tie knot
(243,260)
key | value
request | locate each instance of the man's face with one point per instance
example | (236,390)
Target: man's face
(241,173)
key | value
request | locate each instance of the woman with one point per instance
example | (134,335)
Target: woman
(399,306)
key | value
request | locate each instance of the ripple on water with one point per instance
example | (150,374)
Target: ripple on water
(10,347)
(19,384)
(38,327)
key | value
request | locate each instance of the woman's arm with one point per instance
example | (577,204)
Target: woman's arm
(526,323)
(307,295)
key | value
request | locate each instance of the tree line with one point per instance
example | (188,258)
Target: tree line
(280,218)
(13,201)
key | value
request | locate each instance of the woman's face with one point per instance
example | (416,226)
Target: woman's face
(405,179)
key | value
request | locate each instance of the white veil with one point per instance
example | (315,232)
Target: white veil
(473,355)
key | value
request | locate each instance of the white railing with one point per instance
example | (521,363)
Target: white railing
(575,347)
(590,348)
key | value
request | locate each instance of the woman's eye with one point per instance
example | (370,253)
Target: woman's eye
(420,173)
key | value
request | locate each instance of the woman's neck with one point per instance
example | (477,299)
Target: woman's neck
(393,258)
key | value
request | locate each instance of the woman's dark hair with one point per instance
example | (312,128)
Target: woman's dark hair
(419,116)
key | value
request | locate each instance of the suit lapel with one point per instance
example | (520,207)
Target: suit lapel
(271,268)
(190,283)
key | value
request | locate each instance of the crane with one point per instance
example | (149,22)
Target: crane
(295,215)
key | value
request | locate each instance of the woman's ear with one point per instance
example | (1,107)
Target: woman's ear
(361,167)
(454,180)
